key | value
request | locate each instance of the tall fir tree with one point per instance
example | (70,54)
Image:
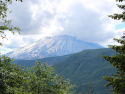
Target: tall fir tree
(118,61)
(90,89)
(83,92)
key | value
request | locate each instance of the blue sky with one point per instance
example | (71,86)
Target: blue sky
(86,20)
(120,26)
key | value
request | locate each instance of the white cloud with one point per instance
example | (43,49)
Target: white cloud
(85,19)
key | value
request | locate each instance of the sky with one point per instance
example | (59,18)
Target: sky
(86,20)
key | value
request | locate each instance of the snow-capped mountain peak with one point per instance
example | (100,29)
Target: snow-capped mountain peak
(52,46)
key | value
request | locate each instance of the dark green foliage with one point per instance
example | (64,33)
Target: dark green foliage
(90,89)
(119,0)
(48,60)
(79,69)
(10,77)
(119,16)
(118,61)
(39,79)
(55,59)
(42,80)
(85,67)
(83,92)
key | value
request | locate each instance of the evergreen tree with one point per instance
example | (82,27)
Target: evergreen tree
(117,61)
(90,89)
(83,92)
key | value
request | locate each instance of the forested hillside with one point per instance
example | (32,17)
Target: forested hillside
(85,67)
(49,60)
(81,68)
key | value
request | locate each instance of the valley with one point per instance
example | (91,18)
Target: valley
(81,68)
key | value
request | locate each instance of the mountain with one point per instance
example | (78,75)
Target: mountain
(49,60)
(85,67)
(51,46)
